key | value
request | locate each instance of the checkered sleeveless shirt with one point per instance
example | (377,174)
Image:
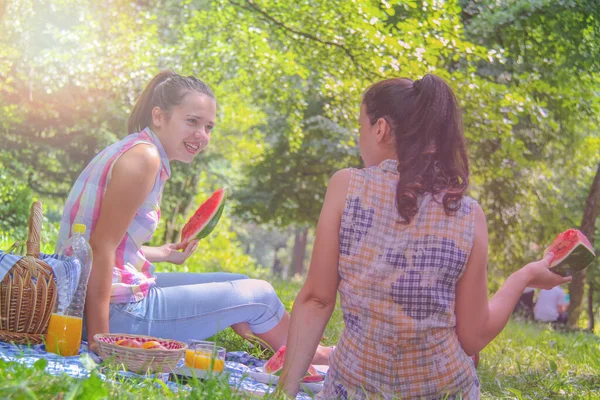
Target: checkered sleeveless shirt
(397,289)
(133,274)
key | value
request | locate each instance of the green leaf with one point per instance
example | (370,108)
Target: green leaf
(40,364)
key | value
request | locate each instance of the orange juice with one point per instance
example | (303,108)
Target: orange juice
(64,335)
(201,360)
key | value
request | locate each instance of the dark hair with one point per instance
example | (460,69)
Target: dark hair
(165,90)
(427,126)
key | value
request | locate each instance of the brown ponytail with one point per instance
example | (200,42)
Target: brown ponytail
(165,90)
(426,122)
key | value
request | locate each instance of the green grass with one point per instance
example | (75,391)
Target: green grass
(532,361)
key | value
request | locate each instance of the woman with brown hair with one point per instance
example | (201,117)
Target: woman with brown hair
(407,251)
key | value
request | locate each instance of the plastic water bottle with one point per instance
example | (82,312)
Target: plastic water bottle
(79,248)
(65,327)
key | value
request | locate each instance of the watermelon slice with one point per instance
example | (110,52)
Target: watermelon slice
(275,365)
(572,253)
(206,217)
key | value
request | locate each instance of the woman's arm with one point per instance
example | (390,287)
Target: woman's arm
(478,321)
(132,180)
(316,301)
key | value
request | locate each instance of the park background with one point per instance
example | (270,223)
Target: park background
(288,77)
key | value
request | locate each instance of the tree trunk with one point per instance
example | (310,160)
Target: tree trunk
(588,225)
(591,306)
(170,228)
(277,264)
(299,251)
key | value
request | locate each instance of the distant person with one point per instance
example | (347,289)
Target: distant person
(407,251)
(551,306)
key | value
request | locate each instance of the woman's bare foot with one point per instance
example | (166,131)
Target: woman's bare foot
(322,355)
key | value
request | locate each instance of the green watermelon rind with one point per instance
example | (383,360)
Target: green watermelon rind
(578,260)
(207,230)
(212,221)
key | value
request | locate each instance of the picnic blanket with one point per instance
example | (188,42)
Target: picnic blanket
(236,366)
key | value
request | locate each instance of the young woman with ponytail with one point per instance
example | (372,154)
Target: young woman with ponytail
(407,251)
(117,196)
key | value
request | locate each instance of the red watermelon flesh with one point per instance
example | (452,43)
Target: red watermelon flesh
(275,365)
(206,217)
(572,253)
(313,378)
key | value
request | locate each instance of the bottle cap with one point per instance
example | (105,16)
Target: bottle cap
(79,228)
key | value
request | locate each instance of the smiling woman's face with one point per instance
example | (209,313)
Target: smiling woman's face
(185,132)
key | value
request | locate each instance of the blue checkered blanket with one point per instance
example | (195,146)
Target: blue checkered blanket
(236,366)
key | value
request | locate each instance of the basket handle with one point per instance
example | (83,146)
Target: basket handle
(35,229)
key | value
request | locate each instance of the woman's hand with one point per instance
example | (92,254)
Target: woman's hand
(178,253)
(174,253)
(539,275)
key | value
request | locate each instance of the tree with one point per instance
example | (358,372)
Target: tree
(299,252)
(550,52)
(58,111)
(588,228)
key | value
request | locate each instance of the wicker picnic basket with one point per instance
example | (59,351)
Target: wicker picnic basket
(139,360)
(28,291)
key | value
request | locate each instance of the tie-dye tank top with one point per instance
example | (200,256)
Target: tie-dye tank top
(397,289)
(132,274)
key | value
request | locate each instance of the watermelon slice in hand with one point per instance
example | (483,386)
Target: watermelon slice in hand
(275,365)
(206,217)
(572,253)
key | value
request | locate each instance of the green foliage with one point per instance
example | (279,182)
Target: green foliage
(548,57)
(15,201)
(71,70)
(288,185)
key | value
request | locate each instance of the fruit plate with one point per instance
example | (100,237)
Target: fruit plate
(259,375)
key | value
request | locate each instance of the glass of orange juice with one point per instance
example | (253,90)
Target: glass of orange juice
(64,335)
(204,355)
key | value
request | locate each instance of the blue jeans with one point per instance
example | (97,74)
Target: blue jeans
(184,306)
